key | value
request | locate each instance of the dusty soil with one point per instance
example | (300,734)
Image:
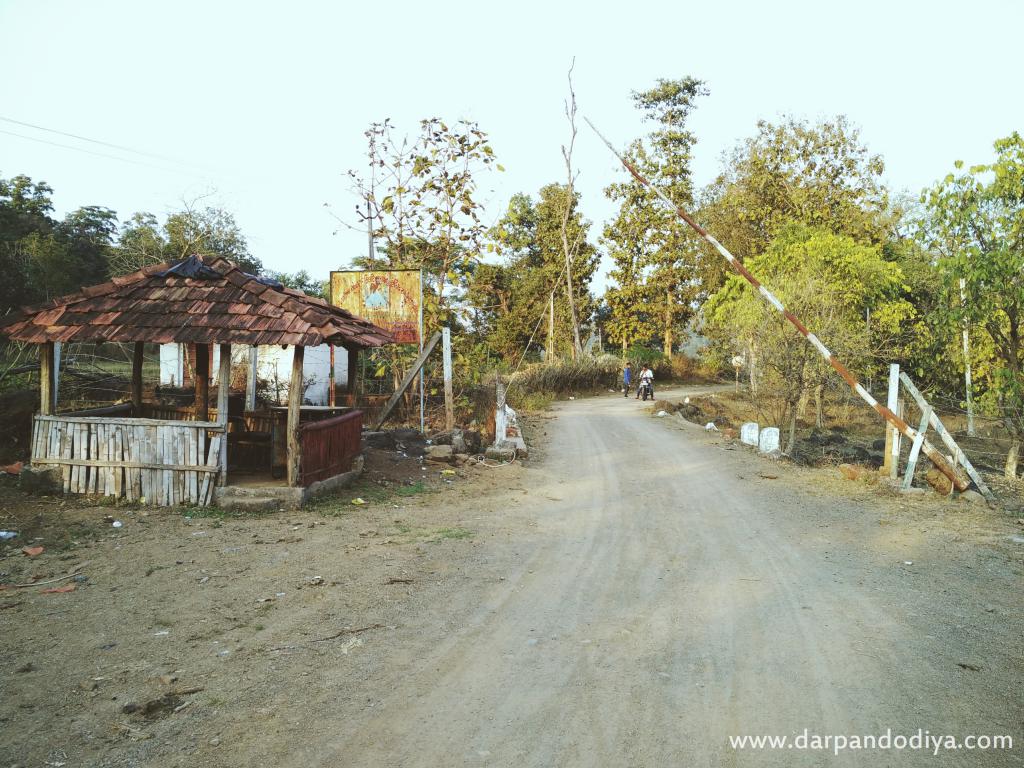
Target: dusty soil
(636,593)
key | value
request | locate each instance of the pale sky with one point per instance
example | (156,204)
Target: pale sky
(264,104)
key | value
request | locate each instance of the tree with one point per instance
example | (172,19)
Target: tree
(976,219)
(209,231)
(419,201)
(41,257)
(515,295)
(656,256)
(820,175)
(827,280)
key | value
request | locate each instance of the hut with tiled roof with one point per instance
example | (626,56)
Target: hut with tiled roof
(199,303)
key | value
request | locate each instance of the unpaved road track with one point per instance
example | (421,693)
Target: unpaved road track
(634,595)
(671,598)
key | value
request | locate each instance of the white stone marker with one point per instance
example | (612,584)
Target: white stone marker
(769,440)
(748,433)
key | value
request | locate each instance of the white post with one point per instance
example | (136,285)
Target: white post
(449,397)
(967,366)
(56,373)
(915,448)
(250,383)
(892,438)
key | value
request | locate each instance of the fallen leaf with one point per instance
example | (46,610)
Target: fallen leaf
(58,590)
(32,551)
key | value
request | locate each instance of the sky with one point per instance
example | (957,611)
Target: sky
(260,107)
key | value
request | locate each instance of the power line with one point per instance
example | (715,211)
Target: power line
(86,138)
(88,151)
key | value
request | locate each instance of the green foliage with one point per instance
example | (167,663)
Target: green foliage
(509,299)
(976,223)
(820,175)
(42,257)
(423,210)
(656,255)
(209,231)
(304,282)
(828,281)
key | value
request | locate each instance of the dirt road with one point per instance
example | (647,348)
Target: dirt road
(636,594)
(672,598)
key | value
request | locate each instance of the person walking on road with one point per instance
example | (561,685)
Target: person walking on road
(627,378)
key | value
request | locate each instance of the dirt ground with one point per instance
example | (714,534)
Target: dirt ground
(635,593)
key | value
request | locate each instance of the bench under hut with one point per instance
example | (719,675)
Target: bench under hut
(133,450)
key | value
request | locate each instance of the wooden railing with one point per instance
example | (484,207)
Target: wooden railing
(329,446)
(143,460)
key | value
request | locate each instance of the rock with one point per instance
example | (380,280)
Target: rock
(461,459)
(473,441)
(37,480)
(497,453)
(973,497)
(443,438)
(912,491)
(215,741)
(710,427)
(663,405)
(878,445)
(440,453)
(383,441)
(459,442)
(88,685)
(850,472)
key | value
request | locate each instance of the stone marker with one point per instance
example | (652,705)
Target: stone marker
(768,440)
(749,433)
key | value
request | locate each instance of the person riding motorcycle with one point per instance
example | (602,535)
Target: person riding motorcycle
(646,383)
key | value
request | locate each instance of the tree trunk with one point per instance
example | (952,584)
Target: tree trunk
(668,324)
(819,406)
(752,370)
(1012,457)
(791,439)
(577,346)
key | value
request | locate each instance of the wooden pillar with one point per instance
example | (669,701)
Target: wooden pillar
(250,382)
(353,367)
(202,382)
(47,390)
(294,414)
(137,379)
(223,390)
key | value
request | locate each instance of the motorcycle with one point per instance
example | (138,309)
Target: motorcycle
(646,390)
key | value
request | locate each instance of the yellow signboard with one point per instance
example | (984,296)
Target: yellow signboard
(388,298)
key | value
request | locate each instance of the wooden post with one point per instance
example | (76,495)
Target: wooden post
(202,382)
(936,423)
(223,390)
(449,397)
(892,436)
(330,381)
(47,395)
(294,413)
(250,382)
(417,367)
(353,367)
(915,448)
(137,379)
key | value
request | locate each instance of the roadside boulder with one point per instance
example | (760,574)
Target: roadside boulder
(440,453)
(850,471)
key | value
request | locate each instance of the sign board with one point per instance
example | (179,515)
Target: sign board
(769,440)
(390,298)
(748,433)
